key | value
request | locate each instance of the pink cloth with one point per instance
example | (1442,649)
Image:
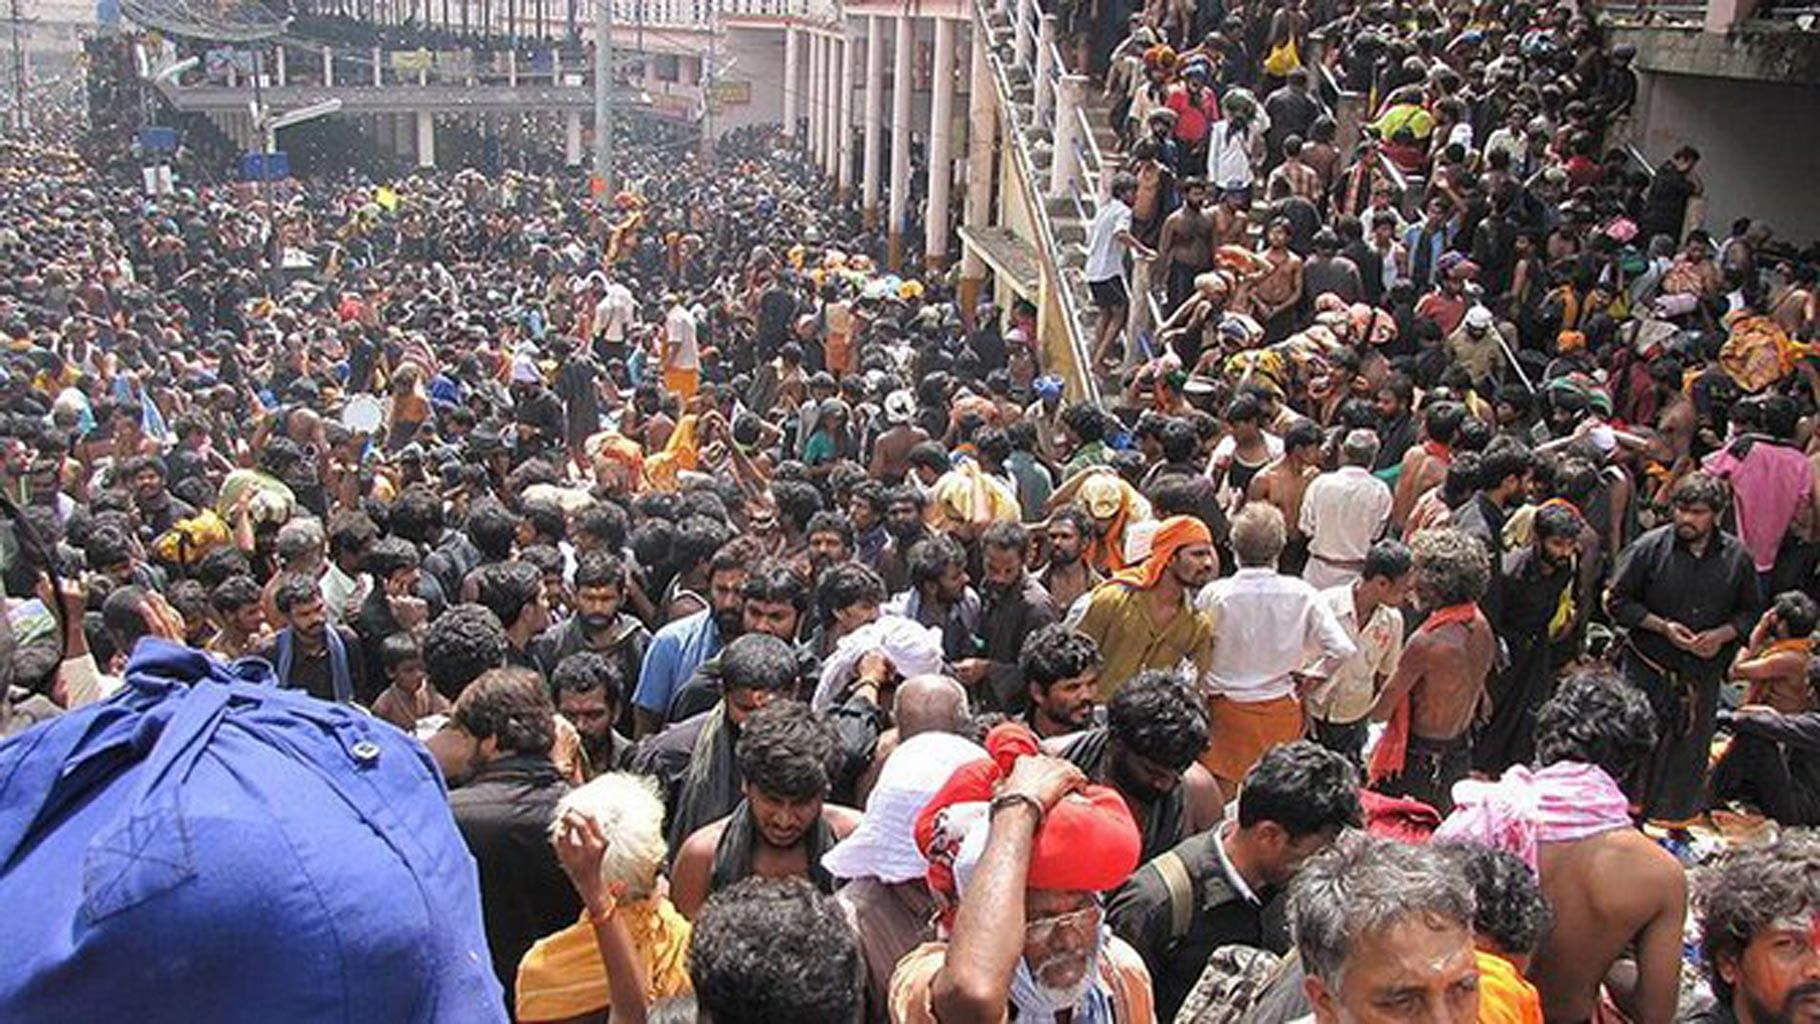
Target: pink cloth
(1518,813)
(1767,486)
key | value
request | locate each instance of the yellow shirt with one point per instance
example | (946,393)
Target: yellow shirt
(1505,997)
(562,976)
(1118,619)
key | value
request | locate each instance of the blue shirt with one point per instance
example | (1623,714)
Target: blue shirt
(676,651)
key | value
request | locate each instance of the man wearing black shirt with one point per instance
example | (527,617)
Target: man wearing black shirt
(1687,592)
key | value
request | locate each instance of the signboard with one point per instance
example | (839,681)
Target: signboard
(454,65)
(158,140)
(158,180)
(411,61)
(732,94)
(265,166)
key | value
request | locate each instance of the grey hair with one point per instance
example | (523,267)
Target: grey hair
(1363,885)
(1258,534)
(1451,566)
(1360,448)
(300,537)
(631,816)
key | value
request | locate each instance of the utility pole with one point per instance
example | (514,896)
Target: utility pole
(603,96)
(710,74)
(19,114)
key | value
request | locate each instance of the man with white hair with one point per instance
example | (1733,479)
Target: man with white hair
(609,835)
(885,896)
(1286,640)
(1343,512)
(1385,928)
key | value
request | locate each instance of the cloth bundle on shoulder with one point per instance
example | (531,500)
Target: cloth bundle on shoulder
(207,847)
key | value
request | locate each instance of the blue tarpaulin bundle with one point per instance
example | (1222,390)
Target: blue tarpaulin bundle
(206,847)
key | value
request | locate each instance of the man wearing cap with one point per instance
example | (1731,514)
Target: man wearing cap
(1020,849)
(891,449)
(1142,617)
(1475,345)
(885,896)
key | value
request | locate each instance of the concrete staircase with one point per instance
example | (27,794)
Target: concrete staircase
(1093,145)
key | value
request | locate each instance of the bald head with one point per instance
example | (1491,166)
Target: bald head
(929,703)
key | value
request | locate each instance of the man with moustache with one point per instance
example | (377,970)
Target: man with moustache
(1156,728)
(1760,933)
(1021,885)
(1144,616)
(599,625)
(1061,678)
(1529,616)
(1013,605)
(1067,575)
(1687,592)
(681,647)
(781,827)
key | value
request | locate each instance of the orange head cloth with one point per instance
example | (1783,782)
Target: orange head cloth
(1088,841)
(1172,535)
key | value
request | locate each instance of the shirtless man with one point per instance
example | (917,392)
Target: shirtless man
(782,827)
(1676,420)
(1615,894)
(891,451)
(1284,482)
(1232,219)
(1441,676)
(1425,465)
(1186,243)
(1276,294)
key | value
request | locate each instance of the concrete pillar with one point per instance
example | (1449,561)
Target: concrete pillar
(832,79)
(328,65)
(941,161)
(404,129)
(843,118)
(1025,41)
(279,71)
(378,67)
(426,139)
(900,142)
(555,66)
(1723,15)
(875,115)
(1045,67)
(571,140)
(512,67)
(815,97)
(1068,95)
(982,125)
(791,76)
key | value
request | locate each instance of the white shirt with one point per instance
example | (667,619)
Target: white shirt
(1349,693)
(1267,626)
(679,328)
(1342,513)
(613,313)
(1105,259)
(1229,151)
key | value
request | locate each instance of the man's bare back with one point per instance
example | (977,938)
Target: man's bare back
(1283,484)
(1421,473)
(1453,662)
(1609,892)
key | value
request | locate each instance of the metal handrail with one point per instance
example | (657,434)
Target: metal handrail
(1019,149)
(1636,155)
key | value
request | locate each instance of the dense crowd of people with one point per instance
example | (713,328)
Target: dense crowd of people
(474,598)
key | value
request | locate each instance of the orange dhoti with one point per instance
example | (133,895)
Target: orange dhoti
(1240,733)
(682,383)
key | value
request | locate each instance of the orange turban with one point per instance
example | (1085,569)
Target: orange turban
(1172,535)
(1570,341)
(1087,842)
